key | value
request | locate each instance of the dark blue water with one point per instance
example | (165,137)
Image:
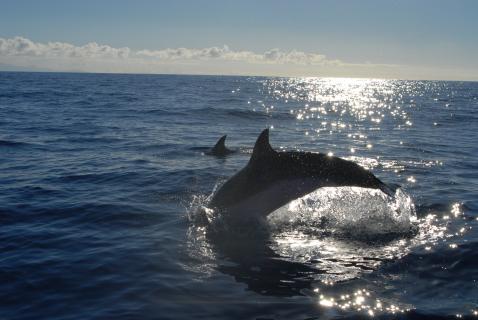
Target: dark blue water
(101,177)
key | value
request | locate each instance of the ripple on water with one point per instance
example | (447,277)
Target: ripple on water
(318,244)
(340,231)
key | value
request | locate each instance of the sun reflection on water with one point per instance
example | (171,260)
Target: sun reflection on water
(345,100)
(361,300)
(333,260)
(345,241)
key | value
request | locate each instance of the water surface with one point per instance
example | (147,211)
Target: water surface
(100,177)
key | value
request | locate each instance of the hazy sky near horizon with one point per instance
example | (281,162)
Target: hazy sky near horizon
(370,38)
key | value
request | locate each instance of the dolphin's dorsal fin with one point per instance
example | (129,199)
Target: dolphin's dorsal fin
(220,145)
(262,147)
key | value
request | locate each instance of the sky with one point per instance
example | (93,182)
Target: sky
(407,39)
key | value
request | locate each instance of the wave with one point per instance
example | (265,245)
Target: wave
(104,177)
(162,112)
(240,113)
(11,143)
(224,113)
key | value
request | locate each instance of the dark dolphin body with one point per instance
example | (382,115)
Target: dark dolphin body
(271,179)
(220,150)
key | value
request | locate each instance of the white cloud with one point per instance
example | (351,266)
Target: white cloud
(25,54)
(22,47)
(273,56)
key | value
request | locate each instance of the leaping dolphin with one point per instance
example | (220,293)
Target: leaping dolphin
(272,179)
(220,150)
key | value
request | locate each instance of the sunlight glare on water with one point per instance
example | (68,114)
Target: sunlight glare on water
(331,229)
(346,236)
(106,182)
(342,103)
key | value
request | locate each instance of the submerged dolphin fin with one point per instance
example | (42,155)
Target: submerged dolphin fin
(220,145)
(220,149)
(262,147)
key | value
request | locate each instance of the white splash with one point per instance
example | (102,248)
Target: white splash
(352,211)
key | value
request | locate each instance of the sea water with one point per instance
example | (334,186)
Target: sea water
(102,177)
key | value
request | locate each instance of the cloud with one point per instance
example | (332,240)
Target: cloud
(22,47)
(19,53)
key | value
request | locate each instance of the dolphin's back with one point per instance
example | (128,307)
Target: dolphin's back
(324,167)
(285,176)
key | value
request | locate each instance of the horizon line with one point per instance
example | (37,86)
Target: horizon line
(229,75)
(22,54)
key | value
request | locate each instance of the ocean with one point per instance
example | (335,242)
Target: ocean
(104,180)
